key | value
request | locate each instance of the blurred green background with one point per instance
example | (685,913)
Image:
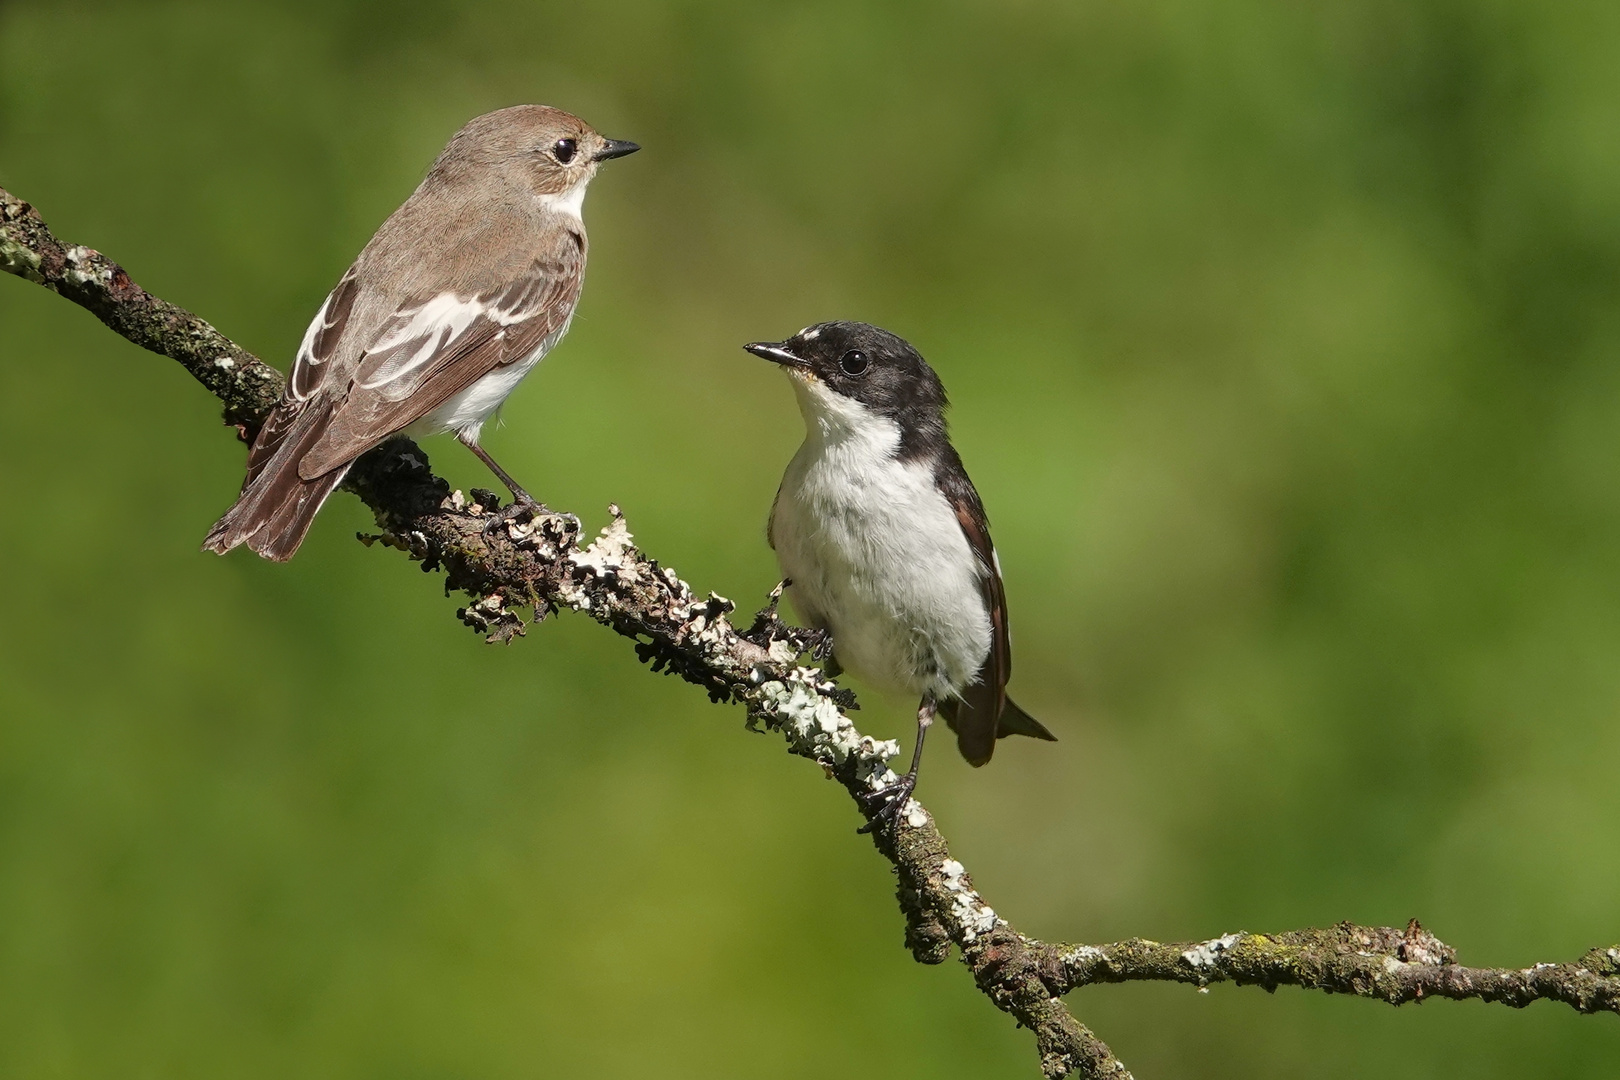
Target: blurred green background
(1282,339)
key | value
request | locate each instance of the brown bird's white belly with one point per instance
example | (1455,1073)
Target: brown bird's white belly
(466,412)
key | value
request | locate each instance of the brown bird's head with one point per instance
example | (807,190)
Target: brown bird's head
(553,152)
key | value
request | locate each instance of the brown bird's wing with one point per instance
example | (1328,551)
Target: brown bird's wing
(277,505)
(984,713)
(309,373)
(433,347)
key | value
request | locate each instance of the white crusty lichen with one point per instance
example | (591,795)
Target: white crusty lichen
(1083,954)
(81,269)
(1208,953)
(611,554)
(610,557)
(971,914)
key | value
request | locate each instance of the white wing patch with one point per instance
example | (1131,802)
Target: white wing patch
(318,325)
(321,338)
(414,337)
(418,337)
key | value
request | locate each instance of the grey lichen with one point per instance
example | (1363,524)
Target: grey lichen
(972,915)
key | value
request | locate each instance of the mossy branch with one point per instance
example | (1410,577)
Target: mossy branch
(539,568)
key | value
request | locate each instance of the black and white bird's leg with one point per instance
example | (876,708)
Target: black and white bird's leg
(883,805)
(768,625)
(522,502)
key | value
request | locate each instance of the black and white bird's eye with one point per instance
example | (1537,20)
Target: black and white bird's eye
(854,362)
(564,150)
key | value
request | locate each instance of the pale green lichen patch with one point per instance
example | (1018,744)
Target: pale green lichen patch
(816,727)
(17,259)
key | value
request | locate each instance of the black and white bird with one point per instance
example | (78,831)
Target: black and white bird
(461,292)
(884,542)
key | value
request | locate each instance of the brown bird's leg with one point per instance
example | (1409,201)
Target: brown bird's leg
(522,501)
(893,797)
(519,496)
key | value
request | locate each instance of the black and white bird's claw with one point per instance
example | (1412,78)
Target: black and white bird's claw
(889,801)
(818,644)
(767,627)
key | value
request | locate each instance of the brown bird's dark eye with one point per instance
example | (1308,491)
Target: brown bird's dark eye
(854,362)
(564,150)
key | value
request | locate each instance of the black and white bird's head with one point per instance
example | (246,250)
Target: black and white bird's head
(553,152)
(853,377)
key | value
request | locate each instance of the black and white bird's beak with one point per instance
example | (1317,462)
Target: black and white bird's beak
(616,148)
(776,352)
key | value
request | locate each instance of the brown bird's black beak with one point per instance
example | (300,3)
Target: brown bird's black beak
(776,352)
(617,148)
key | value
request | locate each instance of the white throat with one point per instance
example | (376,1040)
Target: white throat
(568,202)
(831,419)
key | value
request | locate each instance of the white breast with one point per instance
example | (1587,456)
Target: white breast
(876,553)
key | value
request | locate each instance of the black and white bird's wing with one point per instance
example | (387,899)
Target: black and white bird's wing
(984,713)
(433,347)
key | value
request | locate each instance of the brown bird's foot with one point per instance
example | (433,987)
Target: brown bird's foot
(524,506)
(528,509)
(525,509)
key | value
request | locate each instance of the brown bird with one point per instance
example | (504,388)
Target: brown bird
(458,296)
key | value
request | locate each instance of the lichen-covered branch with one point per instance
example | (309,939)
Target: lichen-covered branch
(247,385)
(1396,966)
(526,570)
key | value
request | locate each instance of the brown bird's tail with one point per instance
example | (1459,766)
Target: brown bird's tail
(277,505)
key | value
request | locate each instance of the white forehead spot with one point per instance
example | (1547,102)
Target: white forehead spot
(809,333)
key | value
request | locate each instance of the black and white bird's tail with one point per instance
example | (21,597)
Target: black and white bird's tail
(277,505)
(981,716)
